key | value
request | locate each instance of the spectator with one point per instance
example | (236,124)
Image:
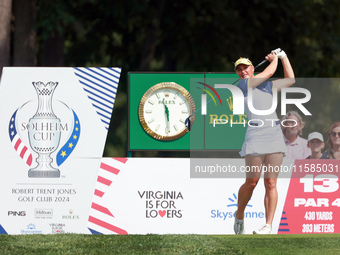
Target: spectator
(316,145)
(333,151)
(292,129)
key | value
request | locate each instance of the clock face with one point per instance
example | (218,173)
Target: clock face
(163,110)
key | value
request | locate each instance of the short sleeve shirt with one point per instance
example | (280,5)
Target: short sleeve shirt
(262,99)
(297,149)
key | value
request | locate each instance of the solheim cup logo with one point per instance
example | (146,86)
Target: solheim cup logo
(44,133)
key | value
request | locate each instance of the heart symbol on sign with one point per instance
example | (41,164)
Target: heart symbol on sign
(161,213)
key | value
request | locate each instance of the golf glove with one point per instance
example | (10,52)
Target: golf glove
(279,53)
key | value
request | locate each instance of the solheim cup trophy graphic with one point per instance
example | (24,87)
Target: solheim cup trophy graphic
(44,132)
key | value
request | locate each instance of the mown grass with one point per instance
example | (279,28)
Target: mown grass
(170,244)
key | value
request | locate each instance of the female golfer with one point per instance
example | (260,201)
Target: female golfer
(264,143)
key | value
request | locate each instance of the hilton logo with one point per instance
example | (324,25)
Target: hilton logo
(43,213)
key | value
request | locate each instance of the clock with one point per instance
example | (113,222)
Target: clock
(163,110)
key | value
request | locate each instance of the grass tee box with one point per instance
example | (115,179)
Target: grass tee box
(170,244)
(139,137)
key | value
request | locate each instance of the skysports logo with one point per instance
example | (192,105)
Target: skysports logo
(238,99)
(223,214)
(31,229)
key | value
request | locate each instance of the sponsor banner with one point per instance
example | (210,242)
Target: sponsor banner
(166,196)
(53,132)
(157,195)
(42,202)
(313,201)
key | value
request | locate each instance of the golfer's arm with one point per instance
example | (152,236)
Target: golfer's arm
(264,75)
(289,79)
(287,68)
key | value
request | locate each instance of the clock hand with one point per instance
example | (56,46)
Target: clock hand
(167,127)
(167,112)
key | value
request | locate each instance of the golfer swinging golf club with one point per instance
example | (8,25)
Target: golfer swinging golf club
(264,143)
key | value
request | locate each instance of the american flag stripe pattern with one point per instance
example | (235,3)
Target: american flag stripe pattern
(23,151)
(101,219)
(284,227)
(100,86)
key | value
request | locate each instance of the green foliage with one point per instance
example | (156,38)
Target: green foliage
(196,35)
(191,36)
(53,17)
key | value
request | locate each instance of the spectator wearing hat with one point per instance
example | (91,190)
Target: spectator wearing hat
(316,145)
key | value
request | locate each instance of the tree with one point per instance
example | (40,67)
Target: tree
(24,53)
(54,19)
(5,22)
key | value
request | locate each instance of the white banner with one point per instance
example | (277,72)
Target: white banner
(54,179)
(53,132)
(157,195)
(164,196)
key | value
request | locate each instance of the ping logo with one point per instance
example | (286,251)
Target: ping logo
(15,213)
